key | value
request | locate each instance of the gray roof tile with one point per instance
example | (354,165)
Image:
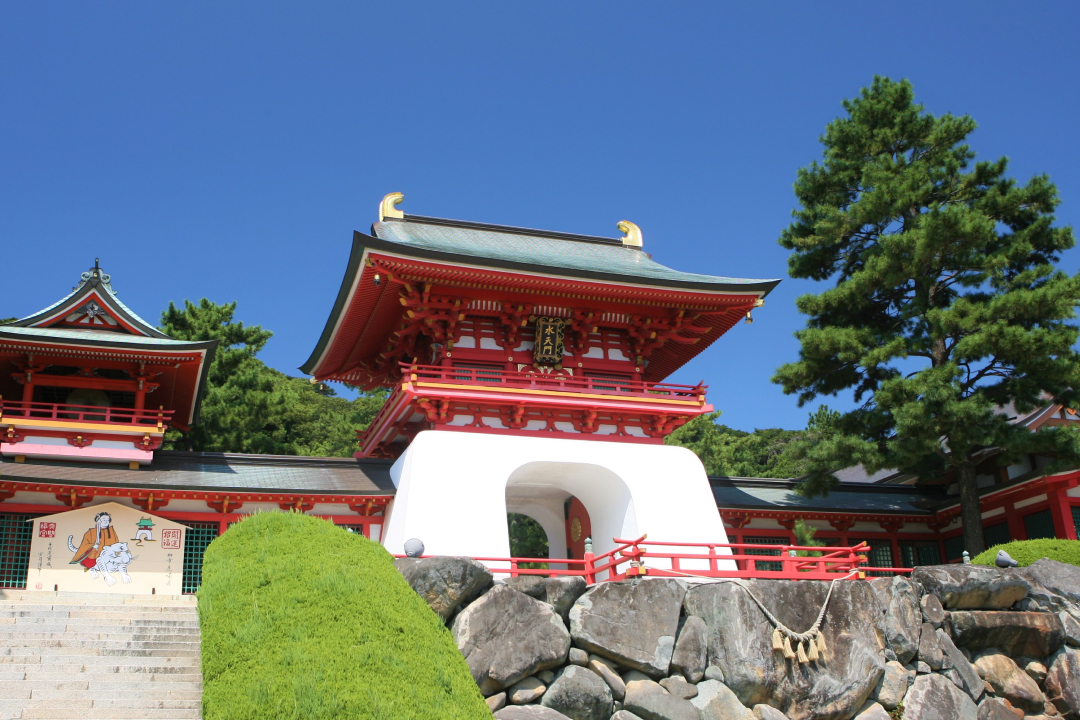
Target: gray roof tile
(221,471)
(545,249)
(766,494)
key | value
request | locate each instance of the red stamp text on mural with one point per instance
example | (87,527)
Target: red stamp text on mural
(47,529)
(170,539)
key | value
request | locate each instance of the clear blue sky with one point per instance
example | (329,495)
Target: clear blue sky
(228,150)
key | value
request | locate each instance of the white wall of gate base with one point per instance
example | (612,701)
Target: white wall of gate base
(454,488)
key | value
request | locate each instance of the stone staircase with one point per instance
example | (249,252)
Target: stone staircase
(94,656)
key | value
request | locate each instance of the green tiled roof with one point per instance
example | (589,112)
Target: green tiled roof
(94,336)
(759,493)
(577,254)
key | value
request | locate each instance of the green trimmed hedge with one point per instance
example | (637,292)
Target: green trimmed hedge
(1026,552)
(302,620)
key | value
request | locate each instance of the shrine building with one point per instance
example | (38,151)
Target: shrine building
(526,372)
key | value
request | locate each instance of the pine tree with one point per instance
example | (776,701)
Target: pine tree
(947,317)
(240,401)
(251,408)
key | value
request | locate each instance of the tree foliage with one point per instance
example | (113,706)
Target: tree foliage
(804,536)
(251,408)
(767,453)
(947,316)
(527,539)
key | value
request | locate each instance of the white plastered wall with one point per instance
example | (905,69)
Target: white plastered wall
(452,490)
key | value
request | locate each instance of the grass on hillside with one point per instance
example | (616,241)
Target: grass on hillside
(302,620)
(1026,552)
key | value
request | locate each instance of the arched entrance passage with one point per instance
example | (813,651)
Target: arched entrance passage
(546,486)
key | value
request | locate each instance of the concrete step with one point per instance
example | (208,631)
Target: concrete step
(45,677)
(43,596)
(98,657)
(105,632)
(110,714)
(7,662)
(117,618)
(149,697)
(15,632)
(90,642)
(96,667)
(94,649)
(116,609)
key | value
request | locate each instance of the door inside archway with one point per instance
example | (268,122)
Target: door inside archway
(578,528)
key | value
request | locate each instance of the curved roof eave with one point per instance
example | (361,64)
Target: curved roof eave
(362,242)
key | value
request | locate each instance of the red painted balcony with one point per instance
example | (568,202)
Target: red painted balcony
(474,383)
(489,399)
(14,412)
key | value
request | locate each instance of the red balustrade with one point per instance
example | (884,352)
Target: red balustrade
(635,558)
(614,386)
(63,412)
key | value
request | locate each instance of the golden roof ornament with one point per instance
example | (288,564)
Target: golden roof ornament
(388,209)
(632,238)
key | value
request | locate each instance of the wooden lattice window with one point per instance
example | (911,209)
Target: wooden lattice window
(919,552)
(199,535)
(1039,525)
(997,534)
(764,564)
(16,530)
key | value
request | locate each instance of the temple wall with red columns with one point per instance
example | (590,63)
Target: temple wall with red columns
(904,525)
(206,492)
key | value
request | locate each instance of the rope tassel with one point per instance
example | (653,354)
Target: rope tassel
(788,652)
(821,644)
(777,640)
(811,650)
(802,654)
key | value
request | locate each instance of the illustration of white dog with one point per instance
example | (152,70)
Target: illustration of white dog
(112,558)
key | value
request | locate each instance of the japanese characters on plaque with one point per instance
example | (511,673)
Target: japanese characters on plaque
(548,347)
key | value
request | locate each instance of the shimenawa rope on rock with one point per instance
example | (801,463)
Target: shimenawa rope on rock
(782,635)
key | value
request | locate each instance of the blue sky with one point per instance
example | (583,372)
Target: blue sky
(228,150)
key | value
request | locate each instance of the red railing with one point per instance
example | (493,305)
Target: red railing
(614,386)
(633,558)
(64,412)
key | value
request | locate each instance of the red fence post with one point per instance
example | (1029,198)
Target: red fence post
(590,569)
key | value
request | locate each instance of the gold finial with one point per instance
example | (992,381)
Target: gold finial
(633,234)
(387,207)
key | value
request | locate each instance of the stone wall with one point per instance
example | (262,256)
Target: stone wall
(954,642)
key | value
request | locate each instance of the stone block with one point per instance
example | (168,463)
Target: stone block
(633,623)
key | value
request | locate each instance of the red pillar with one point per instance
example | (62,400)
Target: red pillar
(1061,511)
(1016,523)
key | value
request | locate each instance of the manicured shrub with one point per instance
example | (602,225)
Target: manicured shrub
(1026,552)
(302,620)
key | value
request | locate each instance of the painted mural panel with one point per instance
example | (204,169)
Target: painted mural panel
(107,548)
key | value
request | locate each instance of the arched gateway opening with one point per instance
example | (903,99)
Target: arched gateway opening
(555,494)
